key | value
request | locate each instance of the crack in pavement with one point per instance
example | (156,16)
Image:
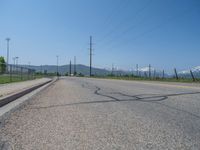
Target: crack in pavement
(153,98)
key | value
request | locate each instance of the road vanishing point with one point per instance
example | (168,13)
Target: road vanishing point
(101,114)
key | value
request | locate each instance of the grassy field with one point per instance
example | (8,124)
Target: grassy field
(185,80)
(17,78)
(6,79)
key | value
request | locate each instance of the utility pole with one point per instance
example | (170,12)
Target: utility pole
(57,64)
(74,65)
(70,68)
(8,40)
(90,56)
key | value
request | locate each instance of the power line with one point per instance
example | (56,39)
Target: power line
(122,22)
(155,27)
(113,13)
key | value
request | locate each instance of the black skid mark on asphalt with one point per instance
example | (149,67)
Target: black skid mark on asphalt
(153,98)
(97,93)
(140,97)
(148,98)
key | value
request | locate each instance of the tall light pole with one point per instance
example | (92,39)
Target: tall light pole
(14,60)
(57,64)
(8,40)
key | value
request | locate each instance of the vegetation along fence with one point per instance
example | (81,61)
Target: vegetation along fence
(14,73)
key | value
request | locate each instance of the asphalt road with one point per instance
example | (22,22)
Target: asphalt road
(97,114)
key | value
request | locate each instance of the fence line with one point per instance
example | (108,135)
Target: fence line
(152,73)
(11,73)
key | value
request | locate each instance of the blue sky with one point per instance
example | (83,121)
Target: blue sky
(164,33)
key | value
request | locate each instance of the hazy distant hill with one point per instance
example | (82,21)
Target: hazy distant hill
(65,69)
(187,74)
(98,71)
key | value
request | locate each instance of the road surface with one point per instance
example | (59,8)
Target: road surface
(97,114)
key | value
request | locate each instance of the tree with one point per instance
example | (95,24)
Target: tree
(2,64)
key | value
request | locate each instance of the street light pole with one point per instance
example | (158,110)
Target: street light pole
(13,60)
(8,40)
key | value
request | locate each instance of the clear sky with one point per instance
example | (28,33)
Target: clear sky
(164,33)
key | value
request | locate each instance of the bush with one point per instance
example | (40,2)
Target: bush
(81,75)
(2,65)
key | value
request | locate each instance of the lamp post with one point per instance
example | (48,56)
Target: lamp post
(8,40)
(7,61)
(13,60)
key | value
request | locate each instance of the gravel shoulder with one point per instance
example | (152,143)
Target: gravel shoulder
(11,88)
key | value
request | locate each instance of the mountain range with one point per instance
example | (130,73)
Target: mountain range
(83,69)
(65,69)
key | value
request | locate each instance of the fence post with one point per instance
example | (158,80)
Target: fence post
(193,78)
(145,74)
(149,71)
(163,74)
(154,74)
(176,73)
(10,72)
(21,73)
(28,74)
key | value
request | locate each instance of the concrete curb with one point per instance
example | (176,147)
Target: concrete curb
(18,100)
(13,97)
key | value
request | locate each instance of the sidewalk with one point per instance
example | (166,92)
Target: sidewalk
(12,88)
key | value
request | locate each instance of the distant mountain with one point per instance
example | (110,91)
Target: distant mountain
(65,69)
(99,71)
(187,74)
(154,72)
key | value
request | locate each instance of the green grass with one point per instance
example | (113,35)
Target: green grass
(6,79)
(184,80)
(17,78)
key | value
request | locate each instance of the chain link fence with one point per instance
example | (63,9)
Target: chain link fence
(14,73)
(150,73)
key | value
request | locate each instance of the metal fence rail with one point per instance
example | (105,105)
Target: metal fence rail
(13,73)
